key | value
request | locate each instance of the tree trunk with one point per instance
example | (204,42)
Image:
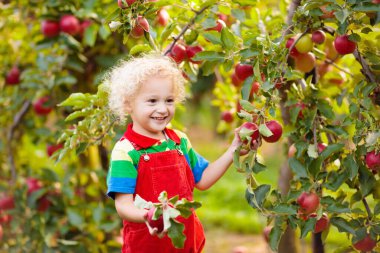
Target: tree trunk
(318,246)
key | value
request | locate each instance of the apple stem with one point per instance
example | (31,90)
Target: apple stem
(16,121)
(192,21)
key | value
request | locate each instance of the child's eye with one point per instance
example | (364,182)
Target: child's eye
(152,101)
(170,100)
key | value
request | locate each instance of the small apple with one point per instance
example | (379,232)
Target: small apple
(304,44)
(302,106)
(69,24)
(255,88)
(308,202)
(43,106)
(191,51)
(178,53)
(305,62)
(227,116)
(321,147)
(294,52)
(318,37)
(235,80)
(266,232)
(50,28)
(43,203)
(243,71)
(343,45)
(276,130)
(372,160)
(366,244)
(326,13)
(163,17)
(13,76)
(7,203)
(51,149)
(141,25)
(249,126)
(322,223)
(219,26)
(33,185)
(83,26)
(292,151)
(159,223)
(123,5)
(323,68)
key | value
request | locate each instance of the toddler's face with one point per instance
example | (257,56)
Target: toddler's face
(153,107)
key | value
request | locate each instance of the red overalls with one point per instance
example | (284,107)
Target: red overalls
(164,171)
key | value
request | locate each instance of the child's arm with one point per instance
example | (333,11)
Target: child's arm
(216,169)
(127,210)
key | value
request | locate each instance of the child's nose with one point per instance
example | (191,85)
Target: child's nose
(161,107)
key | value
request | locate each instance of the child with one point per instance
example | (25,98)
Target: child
(151,158)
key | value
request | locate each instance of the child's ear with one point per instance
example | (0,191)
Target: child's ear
(128,107)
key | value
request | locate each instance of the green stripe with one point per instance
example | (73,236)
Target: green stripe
(122,168)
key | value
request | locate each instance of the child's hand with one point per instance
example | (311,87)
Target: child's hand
(154,225)
(236,143)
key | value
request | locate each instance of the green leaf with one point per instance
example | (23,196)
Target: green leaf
(77,114)
(308,227)
(330,149)
(312,151)
(264,130)
(342,15)
(209,56)
(90,34)
(247,87)
(75,218)
(338,208)
(97,214)
(298,169)
(276,232)
(142,203)
(342,225)
(285,209)
(77,100)
(248,53)
(325,109)
(227,37)
(176,234)
(247,106)
(351,166)
(140,48)
(167,31)
(258,167)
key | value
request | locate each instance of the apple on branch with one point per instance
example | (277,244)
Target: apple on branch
(321,224)
(177,53)
(366,244)
(191,51)
(248,133)
(227,116)
(318,37)
(308,202)
(43,106)
(372,160)
(219,26)
(344,45)
(243,71)
(13,76)
(305,62)
(69,24)
(162,17)
(140,26)
(276,128)
(304,44)
(50,28)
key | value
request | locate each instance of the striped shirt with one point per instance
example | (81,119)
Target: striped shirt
(126,154)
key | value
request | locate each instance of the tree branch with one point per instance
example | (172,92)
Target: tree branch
(366,71)
(16,121)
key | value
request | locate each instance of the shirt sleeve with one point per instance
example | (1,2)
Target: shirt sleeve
(196,162)
(122,174)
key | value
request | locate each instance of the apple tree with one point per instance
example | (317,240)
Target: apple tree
(302,72)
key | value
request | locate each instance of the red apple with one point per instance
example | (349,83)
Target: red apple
(43,106)
(366,244)
(322,223)
(343,45)
(69,24)
(326,13)
(255,88)
(372,159)
(305,62)
(302,106)
(294,52)
(266,232)
(238,106)
(323,68)
(251,127)
(83,26)
(321,147)
(163,17)
(13,76)
(304,44)
(50,28)
(276,130)
(5,218)
(178,53)
(227,116)
(7,203)
(219,26)
(292,150)
(43,203)
(51,149)
(318,37)
(159,223)
(376,1)
(33,185)
(141,25)
(235,80)
(243,71)
(191,51)
(308,202)
(123,5)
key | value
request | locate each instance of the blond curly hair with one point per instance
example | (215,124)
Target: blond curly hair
(124,80)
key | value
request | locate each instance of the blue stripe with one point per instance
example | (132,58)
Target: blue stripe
(121,185)
(199,167)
